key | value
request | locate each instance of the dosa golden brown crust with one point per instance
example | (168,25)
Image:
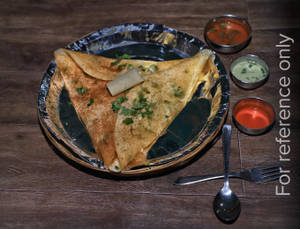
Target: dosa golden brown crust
(79,71)
(100,67)
(124,146)
(169,90)
(97,116)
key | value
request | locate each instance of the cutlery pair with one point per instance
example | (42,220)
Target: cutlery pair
(257,175)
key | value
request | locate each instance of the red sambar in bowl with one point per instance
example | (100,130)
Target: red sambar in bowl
(227,33)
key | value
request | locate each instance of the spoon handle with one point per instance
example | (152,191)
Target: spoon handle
(226,147)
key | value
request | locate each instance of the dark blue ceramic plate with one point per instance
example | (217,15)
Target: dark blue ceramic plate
(195,127)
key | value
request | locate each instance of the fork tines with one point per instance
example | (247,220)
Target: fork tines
(269,173)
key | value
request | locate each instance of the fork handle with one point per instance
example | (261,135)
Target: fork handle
(198,179)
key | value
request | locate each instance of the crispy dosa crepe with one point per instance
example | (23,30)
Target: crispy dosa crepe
(92,103)
(85,77)
(101,67)
(166,93)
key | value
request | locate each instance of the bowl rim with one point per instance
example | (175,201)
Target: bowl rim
(228,16)
(261,100)
(250,83)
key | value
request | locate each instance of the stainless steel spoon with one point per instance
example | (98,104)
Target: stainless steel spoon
(227,206)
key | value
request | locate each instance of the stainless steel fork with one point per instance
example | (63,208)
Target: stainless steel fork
(257,175)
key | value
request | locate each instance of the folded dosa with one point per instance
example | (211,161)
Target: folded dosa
(95,116)
(169,91)
(101,67)
(120,145)
(82,72)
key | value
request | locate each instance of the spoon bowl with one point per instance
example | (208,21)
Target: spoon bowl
(227,205)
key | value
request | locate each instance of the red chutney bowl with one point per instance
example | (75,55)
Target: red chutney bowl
(253,116)
(227,33)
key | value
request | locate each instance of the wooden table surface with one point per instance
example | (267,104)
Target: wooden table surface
(40,189)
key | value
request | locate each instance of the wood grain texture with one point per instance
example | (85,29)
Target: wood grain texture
(128,210)
(22,142)
(39,188)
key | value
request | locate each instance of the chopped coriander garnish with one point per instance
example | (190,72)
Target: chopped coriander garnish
(115,62)
(137,105)
(124,56)
(142,68)
(148,113)
(212,30)
(142,99)
(128,121)
(117,167)
(166,116)
(119,58)
(232,34)
(140,106)
(263,71)
(116,105)
(153,68)
(121,67)
(91,102)
(95,82)
(126,111)
(141,103)
(244,70)
(81,90)
(130,66)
